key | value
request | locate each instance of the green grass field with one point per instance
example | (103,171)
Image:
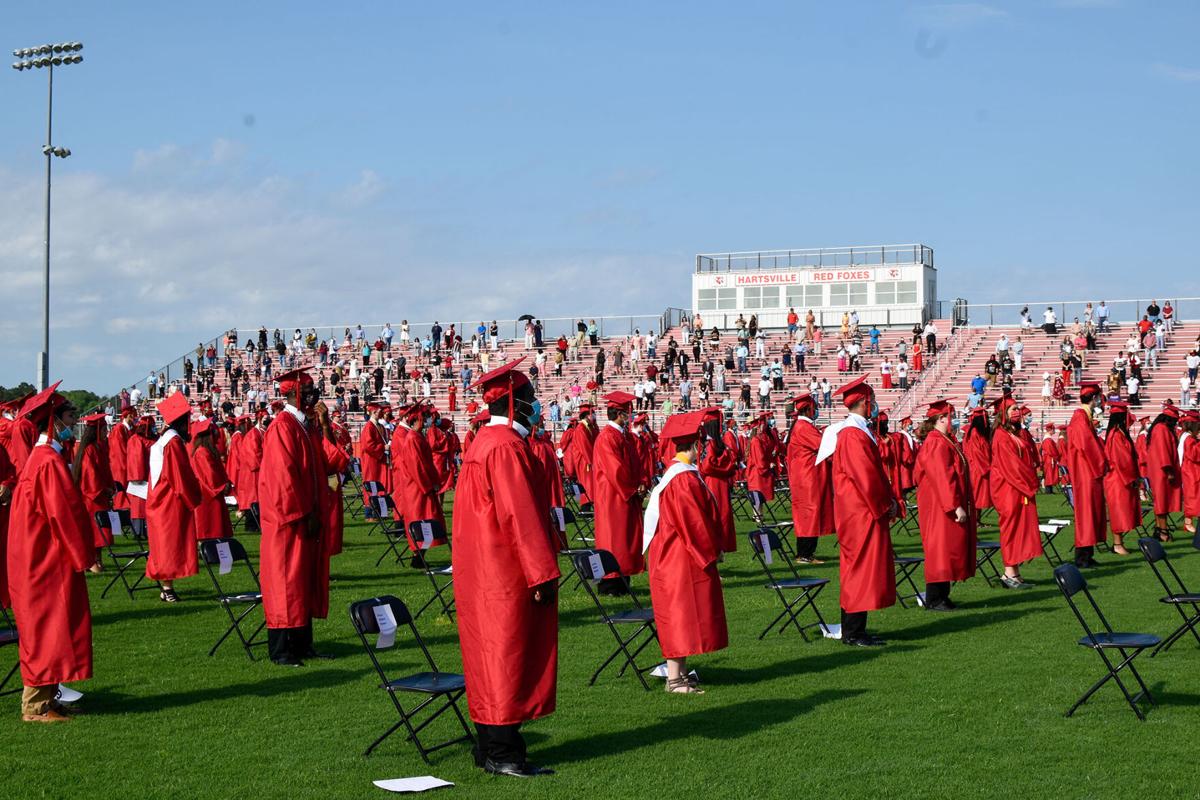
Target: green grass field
(968,704)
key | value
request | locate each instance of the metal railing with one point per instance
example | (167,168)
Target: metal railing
(857,256)
(1066,311)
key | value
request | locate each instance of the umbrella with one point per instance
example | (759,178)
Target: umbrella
(525,317)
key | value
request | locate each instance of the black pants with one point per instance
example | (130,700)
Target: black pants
(289,643)
(1083,555)
(937,593)
(502,744)
(616,587)
(806,546)
(251,519)
(854,625)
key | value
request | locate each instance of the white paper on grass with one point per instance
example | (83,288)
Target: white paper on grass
(426,535)
(832,630)
(67,695)
(421,784)
(387,626)
(225,557)
(114,523)
(138,489)
(597,566)
(661,672)
(920,598)
(766,548)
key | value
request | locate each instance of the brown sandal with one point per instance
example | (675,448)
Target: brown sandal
(682,685)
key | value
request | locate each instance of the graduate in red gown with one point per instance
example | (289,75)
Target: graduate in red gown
(334,463)
(1051,455)
(505,577)
(372,452)
(947,518)
(977,447)
(443,448)
(577,444)
(174,494)
(1189,468)
(50,545)
(760,460)
(617,490)
(891,453)
(246,479)
(414,477)
(20,434)
(1087,466)
(682,542)
(90,471)
(210,517)
(289,489)
(1141,444)
(9,412)
(8,482)
(863,507)
(1123,481)
(240,425)
(718,466)
(1014,487)
(137,467)
(811,483)
(118,439)
(646,446)
(473,426)
(908,454)
(1162,468)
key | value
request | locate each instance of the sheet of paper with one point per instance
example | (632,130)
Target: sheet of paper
(766,547)
(597,566)
(421,784)
(67,695)
(387,627)
(661,671)
(114,523)
(426,535)
(832,630)
(230,500)
(562,520)
(381,503)
(138,489)
(226,558)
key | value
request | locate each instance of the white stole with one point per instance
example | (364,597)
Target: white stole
(829,436)
(156,455)
(650,519)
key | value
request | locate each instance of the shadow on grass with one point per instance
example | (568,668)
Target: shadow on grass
(721,723)
(952,623)
(805,665)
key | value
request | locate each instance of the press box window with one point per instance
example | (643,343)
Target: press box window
(716,299)
(760,297)
(847,294)
(895,292)
(805,297)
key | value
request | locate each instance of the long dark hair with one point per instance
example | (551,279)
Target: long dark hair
(979,427)
(205,440)
(1164,419)
(1118,421)
(86,439)
(712,432)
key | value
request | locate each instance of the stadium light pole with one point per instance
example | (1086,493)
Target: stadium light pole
(48,56)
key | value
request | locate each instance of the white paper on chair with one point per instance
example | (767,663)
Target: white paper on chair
(387,627)
(67,695)
(766,548)
(225,557)
(661,672)
(562,520)
(421,784)
(230,500)
(1062,523)
(114,523)
(383,506)
(597,566)
(138,489)
(832,630)
(426,535)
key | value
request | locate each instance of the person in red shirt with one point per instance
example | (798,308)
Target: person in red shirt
(210,517)
(682,543)
(1014,486)
(50,545)
(1050,454)
(1123,480)
(863,508)
(505,577)
(718,468)
(90,471)
(173,493)
(948,526)
(810,483)
(617,491)
(1162,468)
(289,498)
(1087,465)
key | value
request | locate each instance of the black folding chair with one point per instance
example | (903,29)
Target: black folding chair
(1050,529)
(909,523)
(424,535)
(593,566)
(433,685)
(764,544)
(372,511)
(225,554)
(395,539)
(1177,597)
(133,548)
(905,567)
(985,552)
(1129,645)
(8,635)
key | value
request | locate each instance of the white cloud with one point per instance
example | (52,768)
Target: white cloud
(1182,74)
(956,16)
(364,192)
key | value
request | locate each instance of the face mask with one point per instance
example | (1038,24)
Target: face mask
(874,409)
(771,423)
(535,412)
(66,435)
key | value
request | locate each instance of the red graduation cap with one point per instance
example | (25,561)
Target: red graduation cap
(92,419)
(906,420)
(584,408)
(503,380)
(1050,427)
(128,411)
(1191,415)
(16,403)
(939,408)
(1118,405)
(481,417)
(882,417)
(47,398)
(201,426)
(619,400)
(683,429)
(412,410)
(1002,405)
(590,386)
(805,399)
(1089,390)
(855,390)
(174,407)
(641,418)
(277,405)
(1171,411)
(291,380)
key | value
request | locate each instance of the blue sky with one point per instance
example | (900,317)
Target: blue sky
(291,163)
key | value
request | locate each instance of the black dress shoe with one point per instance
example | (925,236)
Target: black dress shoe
(310,653)
(522,770)
(864,641)
(288,661)
(943,605)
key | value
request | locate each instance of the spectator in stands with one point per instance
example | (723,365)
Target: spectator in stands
(793,322)
(799,356)
(538,333)
(1058,394)
(842,363)
(1006,366)
(1185,390)
(1026,319)
(991,369)
(854,322)
(1050,321)
(1168,315)
(854,354)
(1160,333)
(826,393)
(1193,364)
(818,337)
(1047,389)
(918,359)
(494,336)
(1102,317)
(593,333)
(931,332)
(742,354)
(685,394)
(760,342)
(777,375)
(764,393)
(718,382)
(1150,345)
(902,349)
(1113,384)
(1002,344)
(902,374)
(1153,311)
(874,335)
(973,400)
(810,324)
(917,331)
(1132,388)
(844,332)
(152,385)
(648,389)
(1018,351)
(885,372)
(978,384)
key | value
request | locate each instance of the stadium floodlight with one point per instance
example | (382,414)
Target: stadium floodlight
(48,56)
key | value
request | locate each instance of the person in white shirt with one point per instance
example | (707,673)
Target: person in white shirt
(135,396)
(1132,385)
(760,344)
(902,374)
(1002,345)
(764,393)
(1018,350)
(1132,344)
(1185,390)
(1047,391)
(639,395)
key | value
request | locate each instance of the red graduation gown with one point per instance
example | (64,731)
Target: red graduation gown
(890,455)
(618,506)
(908,461)
(250,456)
(543,450)
(95,486)
(1086,464)
(943,485)
(1163,469)
(137,468)
(718,472)
(1014,485)
(210,518)
(169,526)
(1142,444)
(503,548)
(1190,476)
(1122,482)
(760,466)
(862,502)
(978,451)
(118,439)
(8,477)
(372,457)
(1050,456)
(685,589)
(441,448)
(289,485)
(577,456)
(50,544)
(334,462)
(21,440)
(231,458)
(415,480)
(811,483)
